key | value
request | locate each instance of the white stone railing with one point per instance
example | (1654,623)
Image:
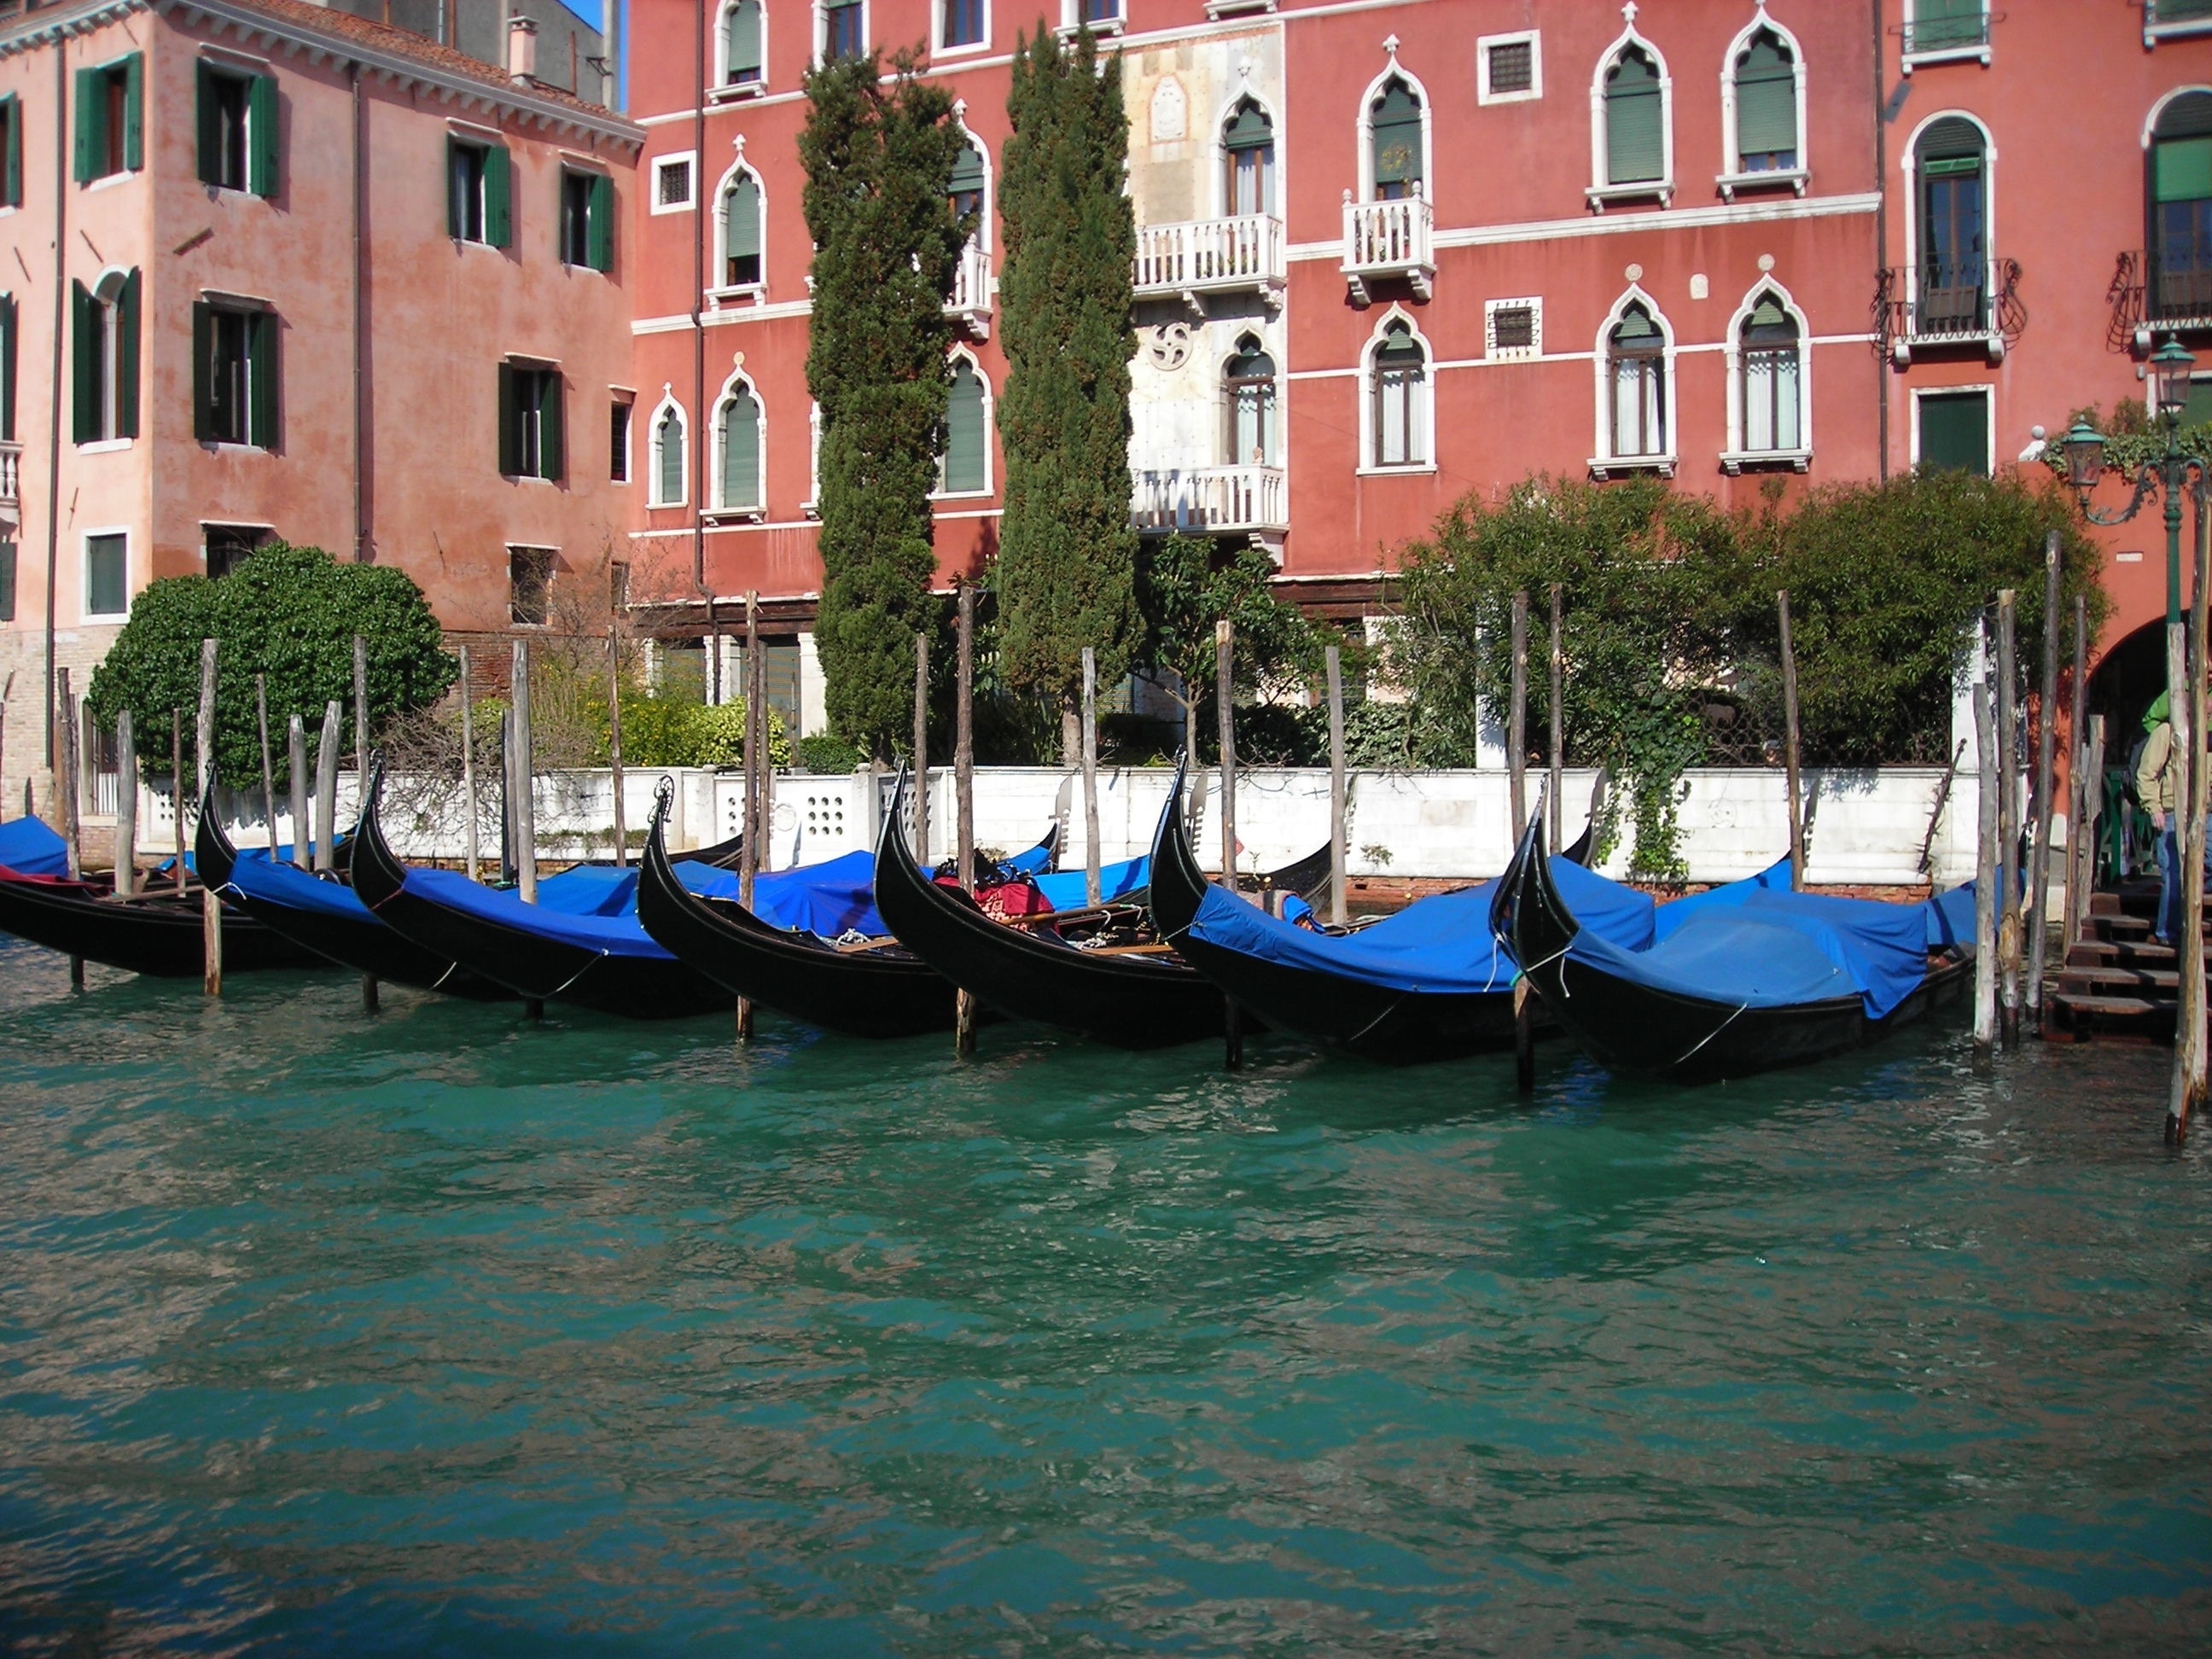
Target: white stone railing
(1386,240)
(971,290)
(1210,256)
(11,474)
(1210,498)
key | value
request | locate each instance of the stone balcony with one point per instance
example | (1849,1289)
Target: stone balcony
(1187,261)
(1388,241)
(1206,500)
(971,304)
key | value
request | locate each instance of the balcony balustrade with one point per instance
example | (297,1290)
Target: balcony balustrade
(1206,500)
(971,304)
(1388,241)
(2161,290)
(11,480)
(1942,304)
(1242,255)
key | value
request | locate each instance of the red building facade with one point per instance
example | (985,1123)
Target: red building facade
(1393,254)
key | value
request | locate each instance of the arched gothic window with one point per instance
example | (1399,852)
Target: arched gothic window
(1401,392)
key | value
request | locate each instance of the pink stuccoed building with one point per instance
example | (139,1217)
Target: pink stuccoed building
(274,270)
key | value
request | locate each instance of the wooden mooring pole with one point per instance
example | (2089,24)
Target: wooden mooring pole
(126,807)
(1090,882)
(523,771)
(296,756)
(1339,848)
(177,788)
(1556,698)
(326,786)
(360,723)
(1517,789)
(2046,736)
(1792,756)
(268,762)
(1985,879)
(469,767)
(963,792)
(67,773)
(749,850)
(2189,1044)
(617,607)
(2009,940)
(2077,789)
(1224,686)
(210,906)
(921,749)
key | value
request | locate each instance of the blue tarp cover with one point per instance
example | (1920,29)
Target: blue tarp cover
(1440,946)
(30,849)
(1065,891)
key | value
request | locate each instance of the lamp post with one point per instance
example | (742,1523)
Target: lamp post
(2085,462)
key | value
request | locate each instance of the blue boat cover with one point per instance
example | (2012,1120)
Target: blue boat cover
(1440,946)
(30,849)
(1066,891)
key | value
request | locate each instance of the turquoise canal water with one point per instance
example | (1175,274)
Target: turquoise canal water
(437,1333)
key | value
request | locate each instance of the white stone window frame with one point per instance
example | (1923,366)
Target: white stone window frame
(1491,351)
(811,506)
(822,30)
(939,48)
(691,201)
(975,141)
(1732,177)
(627,397)
(1602,190)
(2178,29)
(1394,71)
(1244,92)
(722,91)
(1989,391)
(959,355)
(1736,456)
(1982,54)
(1225,413)
(1071,20)
(724,512)
(85,540)
(669,403)
(1368,467)
(1664,461)
(718,293)
(1908,164)
(1534,40)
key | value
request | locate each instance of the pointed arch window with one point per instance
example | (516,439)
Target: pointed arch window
(739,434)
(1400,419)
(1636,365)
(669,471)
(1248,380)
(1397,149)
(965,467)
(1765,105)
(1635,120)
(1952,221)
(1247,148)
(744,59)
(1773,378)
(2180,197)
(966,191)
(741,231)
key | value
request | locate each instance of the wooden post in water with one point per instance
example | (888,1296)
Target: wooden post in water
(963,792)
(210,906)
(2009,940)
(268,761)
(1792,756)
(617,599)
(921,748)
(360,723)
(1558,698)
(1090,882)
(1339,849)
(126,807)
(1516,725)
(303,829)
(2092,818)
(66,775)
(508,840)
(2047,737)
(2077,793)
(469,765)
(2189,1045)
(755,728)
(526,807)
(1985,879)
(1225,645)
(326,785)
(177,788)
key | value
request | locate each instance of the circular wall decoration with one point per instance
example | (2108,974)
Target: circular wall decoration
(1169,346)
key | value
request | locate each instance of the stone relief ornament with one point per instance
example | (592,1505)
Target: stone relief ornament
(1169,348)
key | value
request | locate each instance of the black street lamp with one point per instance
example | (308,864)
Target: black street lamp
(2085,461)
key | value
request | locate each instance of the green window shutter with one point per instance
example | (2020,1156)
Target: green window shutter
(744,218)
(1396,125)
(455,224)
(2182,169)
(7,582)
(741,450)
(8,348)
(966,171)
(126,358)
(1635,144)
(261,134)
(91,124)
(263,380)
(552,439)
(1251,130)
(12,184)
(134,111)
(1954,433)
(498,197)
(84,365)
(1940,23)
(1765,99)
(744,48)
(964,437)
(599,224)
(203,371)
(209,126)
(668,443)
(510,424)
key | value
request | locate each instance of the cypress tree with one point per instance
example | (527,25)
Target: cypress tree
(878,161)
(1067,555)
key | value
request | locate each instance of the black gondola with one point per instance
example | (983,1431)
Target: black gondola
(1129,999)
(885,992)
(339,929)
(538,960)
(1627,1025)
(1372,1020)
(158,934)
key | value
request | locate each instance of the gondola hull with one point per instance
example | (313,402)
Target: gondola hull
(1128,1001)
(526,963)
(363,943)
(1626,1026)
(159,936)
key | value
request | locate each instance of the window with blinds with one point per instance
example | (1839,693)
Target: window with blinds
(1773,407)
(964,468)
(107,575)
(1401,412)
(1765,106)
(668,458)
(965,193)
(739,473)
(1946,25)
(743,60)
(1635,138)
(741,233)
(1954,432)
(1396,149)
(2180,229)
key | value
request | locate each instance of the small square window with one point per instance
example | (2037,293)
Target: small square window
(672,183)
(1511,67)
(228,543)
(529,584)
(1508,68)
(1513,328)
(107,575)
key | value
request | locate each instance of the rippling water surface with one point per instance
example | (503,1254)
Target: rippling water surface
(439,1333)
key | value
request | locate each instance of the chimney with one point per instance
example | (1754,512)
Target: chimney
(521,49)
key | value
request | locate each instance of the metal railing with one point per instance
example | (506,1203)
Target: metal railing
(2161,288)
(1210,498)
(1965,299)
(1210,256)
(1947,34)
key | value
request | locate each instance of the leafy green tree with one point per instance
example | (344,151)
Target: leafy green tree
(290,613)
(1185,586)
(878,161)
(1067,555)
